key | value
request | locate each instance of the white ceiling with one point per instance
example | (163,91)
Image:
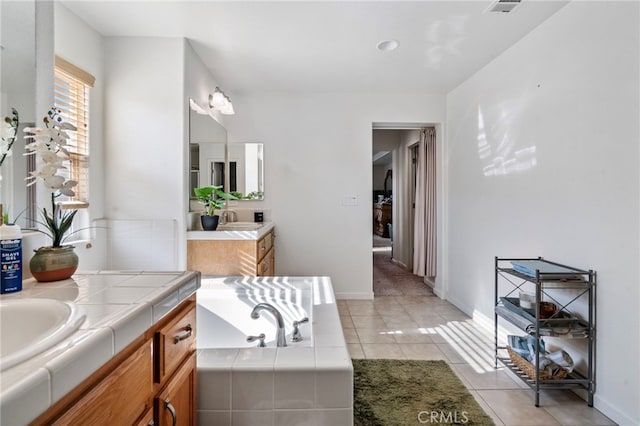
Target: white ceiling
(327,46)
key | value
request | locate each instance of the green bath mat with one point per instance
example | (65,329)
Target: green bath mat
(389,392)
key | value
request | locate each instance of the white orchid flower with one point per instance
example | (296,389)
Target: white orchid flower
(66,188)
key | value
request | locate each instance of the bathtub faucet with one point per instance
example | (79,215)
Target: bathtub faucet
(255,314)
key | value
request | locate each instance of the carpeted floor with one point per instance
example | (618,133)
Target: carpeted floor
(391,392)
(390,279)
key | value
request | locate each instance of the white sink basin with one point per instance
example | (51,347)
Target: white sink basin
(31,326)
(239,226)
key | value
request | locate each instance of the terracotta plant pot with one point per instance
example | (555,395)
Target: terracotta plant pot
(209,223)
(53,263)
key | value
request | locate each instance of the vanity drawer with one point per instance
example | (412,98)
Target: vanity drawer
(174,342)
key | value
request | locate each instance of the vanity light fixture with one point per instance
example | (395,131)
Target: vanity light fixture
(221,102)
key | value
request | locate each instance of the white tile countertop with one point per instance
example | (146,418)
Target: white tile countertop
(119,307)
(253,234)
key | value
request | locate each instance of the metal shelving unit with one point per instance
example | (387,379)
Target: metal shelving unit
(564,324)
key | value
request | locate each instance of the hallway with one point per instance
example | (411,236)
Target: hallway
(390,279)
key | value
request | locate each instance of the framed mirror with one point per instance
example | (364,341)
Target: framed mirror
(237,167)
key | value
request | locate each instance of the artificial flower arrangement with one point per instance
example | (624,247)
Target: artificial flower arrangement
(49,143)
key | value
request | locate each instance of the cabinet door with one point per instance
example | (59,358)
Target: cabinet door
(175,405)
(120,398)
(266,267)
(147,419)
(264,245)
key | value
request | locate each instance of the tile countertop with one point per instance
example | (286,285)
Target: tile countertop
(119,307)
(254,234)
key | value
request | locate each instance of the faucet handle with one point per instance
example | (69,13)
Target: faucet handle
(261,336)
(303,320)
(297,336)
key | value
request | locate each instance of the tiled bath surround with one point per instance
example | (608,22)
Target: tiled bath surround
(294,385)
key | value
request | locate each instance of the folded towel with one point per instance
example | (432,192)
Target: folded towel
(529,268)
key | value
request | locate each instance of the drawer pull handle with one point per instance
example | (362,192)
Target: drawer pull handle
(172,410)
(187,333)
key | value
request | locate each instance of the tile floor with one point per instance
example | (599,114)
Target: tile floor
(415,324)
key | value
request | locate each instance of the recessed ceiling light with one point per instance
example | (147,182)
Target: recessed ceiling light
(388,45)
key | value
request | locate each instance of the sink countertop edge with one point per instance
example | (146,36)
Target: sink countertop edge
(45,378)
(254,234)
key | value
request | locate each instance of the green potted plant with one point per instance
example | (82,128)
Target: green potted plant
(212,198)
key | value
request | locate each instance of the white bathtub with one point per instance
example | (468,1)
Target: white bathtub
(305,383)
(225,305)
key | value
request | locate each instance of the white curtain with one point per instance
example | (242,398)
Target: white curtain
(424,230)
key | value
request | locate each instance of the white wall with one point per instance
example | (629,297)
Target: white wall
(317,150)
(569,90)
(145,130)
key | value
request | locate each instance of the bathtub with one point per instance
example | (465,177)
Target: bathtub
(305,383)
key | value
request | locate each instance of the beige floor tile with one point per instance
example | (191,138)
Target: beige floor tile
(423,351)
(355,350)
(415,300)
(486,408)
(358,303)
(387,311)
(367,335)
(515,407)
(362,309)
(382,350)
(487,378)
(400,322)
(407,336)
(346,321)
(350,335)
(369,321)
(578,415)
(386,301)
(453,356)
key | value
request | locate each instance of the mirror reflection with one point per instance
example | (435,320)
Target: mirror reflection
(246,170)
(17,90)
(237,167)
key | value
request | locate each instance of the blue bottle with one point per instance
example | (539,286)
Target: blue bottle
(10,259)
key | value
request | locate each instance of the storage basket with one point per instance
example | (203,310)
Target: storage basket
(527,368)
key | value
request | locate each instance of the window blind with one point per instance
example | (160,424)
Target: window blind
(71,98)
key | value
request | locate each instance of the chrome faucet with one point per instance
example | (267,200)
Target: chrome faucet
(229,216)
(255,314)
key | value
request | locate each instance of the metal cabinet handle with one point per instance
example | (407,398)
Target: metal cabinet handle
(187,333)
(172,410)
(151,423)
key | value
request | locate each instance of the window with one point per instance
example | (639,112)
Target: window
(71,97)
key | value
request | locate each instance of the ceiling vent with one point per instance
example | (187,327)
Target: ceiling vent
(503,6)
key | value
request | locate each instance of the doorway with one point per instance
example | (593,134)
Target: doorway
(396,153)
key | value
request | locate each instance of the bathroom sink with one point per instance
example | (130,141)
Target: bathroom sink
(239,226)
(31,326)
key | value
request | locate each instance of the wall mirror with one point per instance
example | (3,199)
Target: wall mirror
(17,90)
(237,167)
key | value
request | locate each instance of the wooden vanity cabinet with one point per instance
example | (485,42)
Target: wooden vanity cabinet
(143,384)
(233,257)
